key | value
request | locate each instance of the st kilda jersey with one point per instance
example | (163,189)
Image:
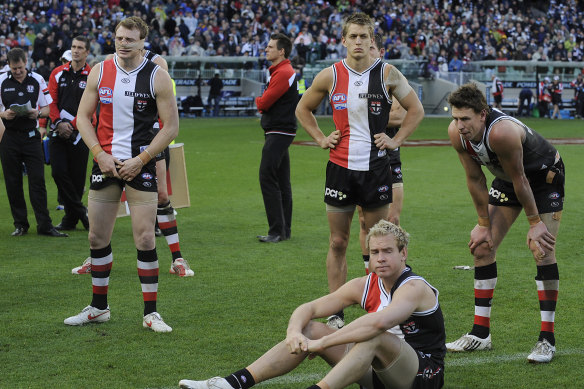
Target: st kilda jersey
(127,108)
(538,153)
(424,331)
(361,105)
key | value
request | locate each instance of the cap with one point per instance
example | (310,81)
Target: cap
(67,56)
(546,79)
(556,78)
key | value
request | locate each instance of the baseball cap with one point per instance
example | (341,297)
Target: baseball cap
(547,79)
(556,78)
(67,56)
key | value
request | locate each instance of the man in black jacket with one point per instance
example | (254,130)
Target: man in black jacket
(277,105)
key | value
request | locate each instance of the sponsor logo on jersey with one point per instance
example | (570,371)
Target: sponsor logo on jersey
(147,184)
(409,328)
(497,194)
(126,80)
(371,96)
(9,89)
(397,170)
(358,83)
(335,194)
(555,204)
(106,95)
(30,88)
(383,197)
(554,196)
(375,107)
(146,176)
(20,94)
(383,188)
(82,84)
(137,94)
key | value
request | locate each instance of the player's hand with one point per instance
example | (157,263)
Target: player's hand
(296,343)
(383,141)
(33,114)
(331,141)
(480,235)
(540,240)
(108,164)
(314,347)
(130,168)
(64,129)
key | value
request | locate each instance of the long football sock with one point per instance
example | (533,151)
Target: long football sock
(548,283)
(366,263)
(241,379)
(167,223)
(484,287)
(148,274)
(101,266)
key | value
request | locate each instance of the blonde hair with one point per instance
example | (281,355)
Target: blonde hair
(358,18)
(385,228)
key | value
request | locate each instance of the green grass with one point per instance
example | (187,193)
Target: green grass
(243,292)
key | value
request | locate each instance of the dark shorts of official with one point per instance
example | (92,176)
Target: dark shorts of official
(547,187)
(556,99)
(369,189)
(144,181)
(498,99)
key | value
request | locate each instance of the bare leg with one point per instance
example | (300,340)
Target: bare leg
(336,259)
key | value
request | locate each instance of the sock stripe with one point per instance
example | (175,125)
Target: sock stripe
(484,293)
(147,272)
(482,321)
(547,326)
(550,295)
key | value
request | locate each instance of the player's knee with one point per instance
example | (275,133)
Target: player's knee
(483,252)
(339,243)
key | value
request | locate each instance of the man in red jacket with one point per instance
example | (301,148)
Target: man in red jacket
(68,152)
(277,105)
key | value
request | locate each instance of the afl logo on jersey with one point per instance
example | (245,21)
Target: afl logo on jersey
(105,95)
(339,101)
(146,176)
(383,188)
(82,84)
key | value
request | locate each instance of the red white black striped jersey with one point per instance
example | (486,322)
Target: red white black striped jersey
(361,105)
(127,108)
(424,331)
(538,153)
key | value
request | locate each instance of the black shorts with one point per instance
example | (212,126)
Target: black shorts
(549,197)
(369,189)
(396,174)
(144,181)
(498,99)
(430,373)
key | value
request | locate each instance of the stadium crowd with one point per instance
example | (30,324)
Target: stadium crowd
(447,35)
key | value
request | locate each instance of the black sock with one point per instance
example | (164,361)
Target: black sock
(241,379)
(341,314)
(314,387)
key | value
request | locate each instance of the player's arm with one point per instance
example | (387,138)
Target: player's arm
(413,296)
(406,96)
(396,115)
(348,294)
(506,140)
(309,102)
(476,182)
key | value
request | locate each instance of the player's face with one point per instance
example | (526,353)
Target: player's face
(18,70)
(374,52)
(272,52)
(78,51)
(385,258)
(469,123)
(357,41)
(128,42)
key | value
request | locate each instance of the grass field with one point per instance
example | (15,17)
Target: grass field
(243,292)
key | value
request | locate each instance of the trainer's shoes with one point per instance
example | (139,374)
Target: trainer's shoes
(181,267)
(211,383)
(83,269)
(468,342)
(335,322)
(543,352)
(52,232)
(89,314)
(155,323)
(19,231)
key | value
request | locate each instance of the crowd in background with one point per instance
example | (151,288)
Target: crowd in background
(448,35)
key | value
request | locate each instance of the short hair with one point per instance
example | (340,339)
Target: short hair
(358,18)
(378,40)
(134,23)
(16,54)
(469,96)
(385,228)
(83,39)
(282,42)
